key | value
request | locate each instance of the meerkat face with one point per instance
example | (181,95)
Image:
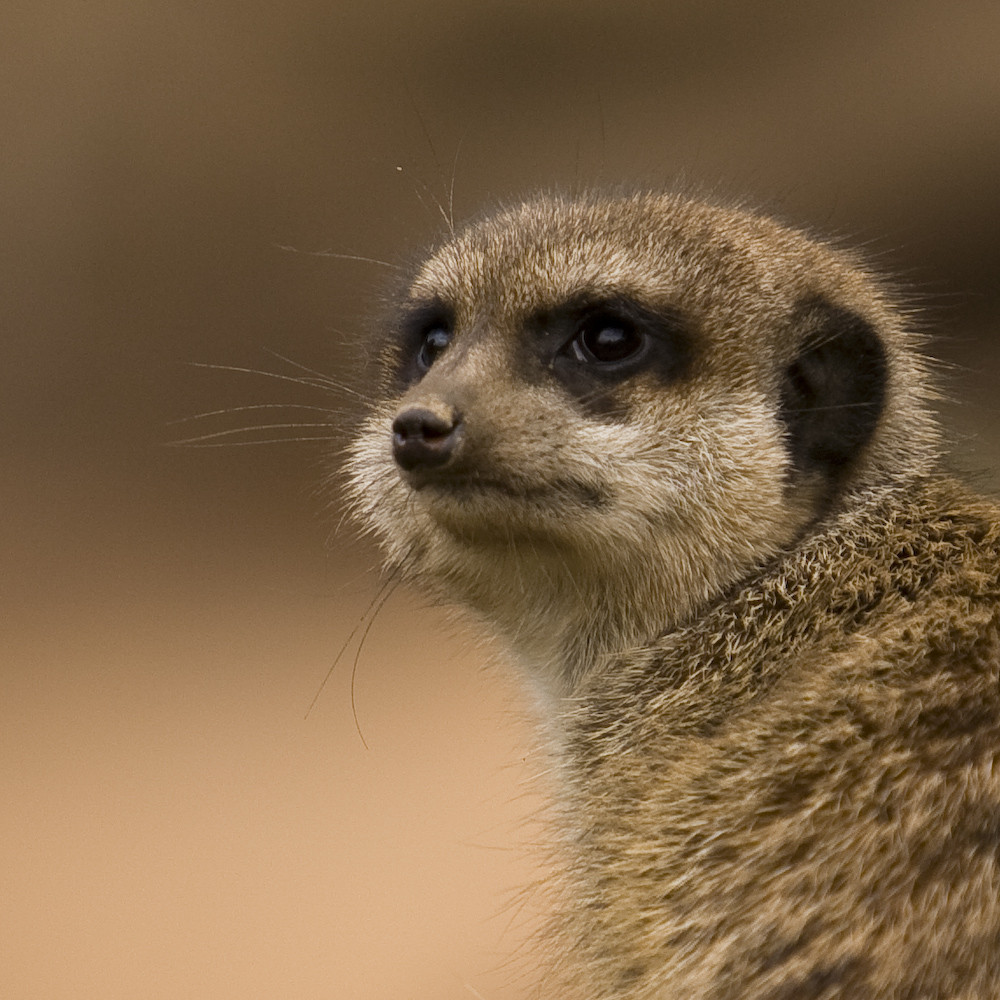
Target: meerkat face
(596,414)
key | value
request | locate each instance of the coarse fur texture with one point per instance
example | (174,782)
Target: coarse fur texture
(680,460)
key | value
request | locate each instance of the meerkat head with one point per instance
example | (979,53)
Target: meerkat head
(597,414)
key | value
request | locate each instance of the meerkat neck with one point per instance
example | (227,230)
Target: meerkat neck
(737,646)
(561,620)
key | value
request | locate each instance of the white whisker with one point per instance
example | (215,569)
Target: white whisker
(233,431)
(325,380)
(259,371)
(340,256)
(194,443)
(254,406)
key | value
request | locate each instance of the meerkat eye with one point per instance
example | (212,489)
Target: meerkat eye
(606,339)
(435,339)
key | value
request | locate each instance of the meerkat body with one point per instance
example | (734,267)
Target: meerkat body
(680,460)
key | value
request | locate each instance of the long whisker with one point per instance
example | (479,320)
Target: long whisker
(322,376)
(242,444)
(340,256)
(451,186)
(298,380)
(343,648)
(448,221)
(373,608)
(357,656)
(241,409)
(832,406)
(233,431)
(421,186)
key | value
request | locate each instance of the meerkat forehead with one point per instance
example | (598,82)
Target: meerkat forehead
(660,250)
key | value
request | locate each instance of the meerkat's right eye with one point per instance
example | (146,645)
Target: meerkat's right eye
(434,340)
(607,339)
(607,343)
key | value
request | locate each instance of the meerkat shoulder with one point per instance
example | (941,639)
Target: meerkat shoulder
(801,785)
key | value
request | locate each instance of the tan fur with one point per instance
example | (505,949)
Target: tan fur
(775,704)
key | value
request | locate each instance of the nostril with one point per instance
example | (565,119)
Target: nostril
(422,437)
(417,422)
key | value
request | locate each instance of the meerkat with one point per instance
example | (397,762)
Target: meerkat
(681,461)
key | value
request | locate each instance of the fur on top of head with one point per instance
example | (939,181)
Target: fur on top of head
(598,413)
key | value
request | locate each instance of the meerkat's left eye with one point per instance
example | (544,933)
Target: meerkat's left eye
(607,339)
(435,339)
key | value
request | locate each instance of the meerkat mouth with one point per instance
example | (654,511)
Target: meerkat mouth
(472,486)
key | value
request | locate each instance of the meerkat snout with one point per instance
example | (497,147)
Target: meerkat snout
(425,439)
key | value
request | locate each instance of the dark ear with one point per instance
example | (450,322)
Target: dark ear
(834,389)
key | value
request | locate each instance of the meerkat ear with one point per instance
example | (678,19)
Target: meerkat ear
(834,389)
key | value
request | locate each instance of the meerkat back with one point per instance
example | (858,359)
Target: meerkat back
(680,461)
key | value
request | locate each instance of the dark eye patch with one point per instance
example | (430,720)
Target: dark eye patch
(424,333)
(594,347)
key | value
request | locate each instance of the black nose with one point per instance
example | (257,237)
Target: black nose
(424,439)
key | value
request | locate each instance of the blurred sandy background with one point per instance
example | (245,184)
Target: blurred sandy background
(171,825)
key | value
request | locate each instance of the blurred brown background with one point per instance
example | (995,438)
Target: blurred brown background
(172,826)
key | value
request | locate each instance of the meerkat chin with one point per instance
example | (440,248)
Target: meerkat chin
(680,460)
